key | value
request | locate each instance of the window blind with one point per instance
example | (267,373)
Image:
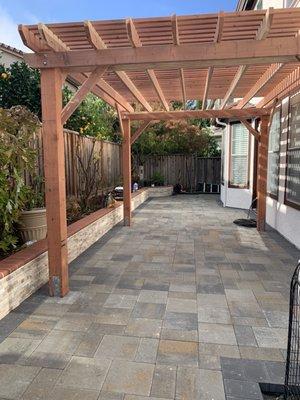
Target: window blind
(239,155)
(273,156)
(293,154)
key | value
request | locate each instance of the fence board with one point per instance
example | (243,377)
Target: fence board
(109,153)
(189,170)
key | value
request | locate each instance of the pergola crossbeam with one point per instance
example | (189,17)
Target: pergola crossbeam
(201,55)
(211,113)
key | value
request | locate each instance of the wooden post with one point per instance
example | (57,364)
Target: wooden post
(55,189)
(126,160)
(262,173)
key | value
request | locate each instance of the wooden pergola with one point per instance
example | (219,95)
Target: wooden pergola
(144,64)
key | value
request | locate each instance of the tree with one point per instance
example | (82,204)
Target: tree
(177,137)
(93,117)
(20,85)
(191,136)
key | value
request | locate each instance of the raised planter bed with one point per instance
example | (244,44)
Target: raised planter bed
(26,271)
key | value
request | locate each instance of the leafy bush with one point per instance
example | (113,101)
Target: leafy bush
(177,137)
(20,85)
(93,117)
(157,179)
(17,128)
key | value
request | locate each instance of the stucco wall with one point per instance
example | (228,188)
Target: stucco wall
(283,218)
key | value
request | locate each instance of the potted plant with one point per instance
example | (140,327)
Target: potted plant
(32,221)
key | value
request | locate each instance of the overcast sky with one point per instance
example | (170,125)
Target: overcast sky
(14,12)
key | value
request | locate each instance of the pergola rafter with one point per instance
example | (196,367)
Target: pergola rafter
(178,58)
(288,85)
(261,34)
(263,80)
(97,42)
(136,42)
(210,71)
(100,87)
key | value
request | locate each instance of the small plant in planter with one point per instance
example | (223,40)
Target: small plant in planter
(32,221)
(157,179)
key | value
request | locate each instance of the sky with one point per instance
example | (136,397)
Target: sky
(15,12)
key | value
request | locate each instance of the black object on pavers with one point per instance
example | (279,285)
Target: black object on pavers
(292,376)
(245,379)
(248,223)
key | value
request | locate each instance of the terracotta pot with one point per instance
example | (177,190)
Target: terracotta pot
(33,224)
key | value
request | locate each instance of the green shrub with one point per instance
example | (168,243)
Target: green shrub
(157,179)
(17,128)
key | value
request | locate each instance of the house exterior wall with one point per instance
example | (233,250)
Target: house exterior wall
(7,58)
(284,218)
(280,216)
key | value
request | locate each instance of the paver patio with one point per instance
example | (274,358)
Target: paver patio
(182,305)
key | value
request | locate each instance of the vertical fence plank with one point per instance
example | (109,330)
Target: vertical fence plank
(189,170)
(76,145)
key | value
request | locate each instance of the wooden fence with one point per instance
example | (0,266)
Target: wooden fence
(189,170)
(86,156)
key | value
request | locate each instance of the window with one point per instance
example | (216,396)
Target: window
(273,156)
(222,159)
(292,194)
(239,156)
(259,5)
(290,3)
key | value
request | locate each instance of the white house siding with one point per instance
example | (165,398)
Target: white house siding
(285,219)
(8,58)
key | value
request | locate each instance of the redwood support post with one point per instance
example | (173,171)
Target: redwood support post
(262,174)
(126,159)
(55,188)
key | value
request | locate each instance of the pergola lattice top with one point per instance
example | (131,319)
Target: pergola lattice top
(157,60)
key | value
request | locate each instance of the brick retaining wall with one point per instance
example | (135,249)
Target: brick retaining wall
(25,272)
